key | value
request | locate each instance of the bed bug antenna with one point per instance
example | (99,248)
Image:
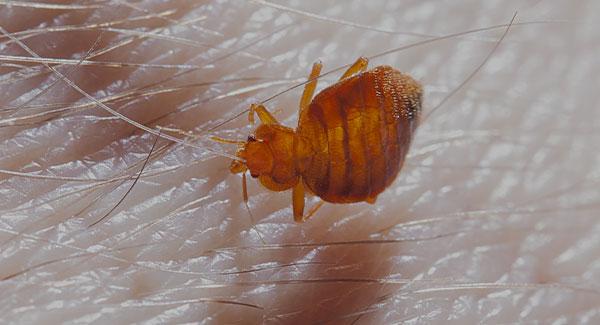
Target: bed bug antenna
(245,197)
(228,141)
(237,167)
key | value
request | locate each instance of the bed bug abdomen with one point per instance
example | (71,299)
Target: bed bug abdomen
(359,131)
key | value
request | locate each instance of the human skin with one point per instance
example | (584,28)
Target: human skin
(492,219)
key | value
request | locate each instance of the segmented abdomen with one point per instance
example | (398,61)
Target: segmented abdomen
(360,130)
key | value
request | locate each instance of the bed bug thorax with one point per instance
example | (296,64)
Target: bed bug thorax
(350,142)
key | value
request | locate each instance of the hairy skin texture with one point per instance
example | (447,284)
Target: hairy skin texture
(492,219)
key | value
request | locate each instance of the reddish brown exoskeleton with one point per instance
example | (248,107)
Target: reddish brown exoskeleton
(350,142)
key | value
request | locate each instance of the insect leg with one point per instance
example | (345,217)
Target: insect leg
(228,141)
(244,188)
(263,114)
(309,88)
(359,66)
(371,200)
(314,209)
(245,197)
(298,201)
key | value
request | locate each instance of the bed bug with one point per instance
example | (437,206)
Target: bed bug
(350,142)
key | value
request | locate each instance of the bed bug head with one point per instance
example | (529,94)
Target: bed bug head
(255,155)
(247,153)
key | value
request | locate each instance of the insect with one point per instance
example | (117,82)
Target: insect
(350,142)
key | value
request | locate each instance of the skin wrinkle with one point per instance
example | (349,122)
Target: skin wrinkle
(492,218)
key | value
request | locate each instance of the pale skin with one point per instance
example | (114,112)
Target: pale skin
(493,219)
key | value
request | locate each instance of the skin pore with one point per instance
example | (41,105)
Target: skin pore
(493,217)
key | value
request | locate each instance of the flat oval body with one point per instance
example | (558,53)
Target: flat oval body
(357,133)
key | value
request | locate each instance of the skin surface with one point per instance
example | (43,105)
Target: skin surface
(493,219)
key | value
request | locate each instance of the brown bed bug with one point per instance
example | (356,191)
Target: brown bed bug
(350,143)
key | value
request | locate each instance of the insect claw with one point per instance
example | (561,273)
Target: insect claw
(251,113)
